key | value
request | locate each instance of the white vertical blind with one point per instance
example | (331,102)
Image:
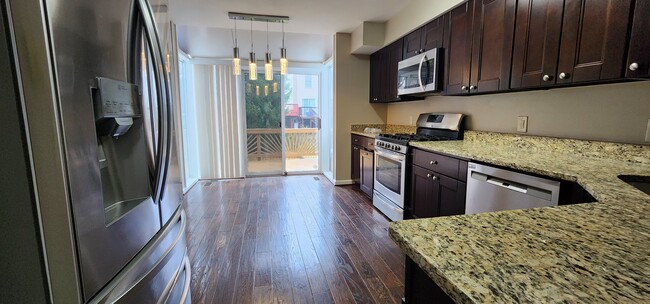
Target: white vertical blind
(221,119)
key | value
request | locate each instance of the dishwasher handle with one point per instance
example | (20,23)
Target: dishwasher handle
(513,186)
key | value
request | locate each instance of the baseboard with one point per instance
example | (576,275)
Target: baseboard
(343,182)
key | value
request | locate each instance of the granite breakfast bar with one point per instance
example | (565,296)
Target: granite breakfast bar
(582,253)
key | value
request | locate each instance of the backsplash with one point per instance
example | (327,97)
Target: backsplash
(384,128)
(581,148)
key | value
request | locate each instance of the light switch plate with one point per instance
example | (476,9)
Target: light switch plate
(647,132)
(522,124)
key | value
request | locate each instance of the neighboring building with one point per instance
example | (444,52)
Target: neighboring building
(301,107)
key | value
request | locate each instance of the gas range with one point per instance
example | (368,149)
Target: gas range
(391,151)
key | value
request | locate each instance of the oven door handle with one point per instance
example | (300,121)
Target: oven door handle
(390,155)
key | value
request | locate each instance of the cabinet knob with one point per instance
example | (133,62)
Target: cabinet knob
(421,50)
(547,78)
(433,162)
(564,76)
(429,175)
(473,87)
(634,66)
(434,178)
(463,88)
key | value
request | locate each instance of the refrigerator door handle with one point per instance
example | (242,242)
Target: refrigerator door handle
(153,40)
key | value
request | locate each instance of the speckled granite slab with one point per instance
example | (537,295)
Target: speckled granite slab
(584,253)
(359,129)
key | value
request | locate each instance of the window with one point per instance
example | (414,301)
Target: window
(308,81)
(309,102)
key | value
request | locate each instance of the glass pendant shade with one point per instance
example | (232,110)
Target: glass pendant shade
(252,66)
(284,63)
(268,68)
(236,62)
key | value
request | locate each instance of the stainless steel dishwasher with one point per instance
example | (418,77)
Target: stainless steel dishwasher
(494,189)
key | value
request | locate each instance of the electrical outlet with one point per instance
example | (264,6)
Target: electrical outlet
(647,132)
(522,124)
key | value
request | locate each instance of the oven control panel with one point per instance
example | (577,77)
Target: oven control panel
(390,146)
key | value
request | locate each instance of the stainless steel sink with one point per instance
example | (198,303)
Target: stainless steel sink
(637,181)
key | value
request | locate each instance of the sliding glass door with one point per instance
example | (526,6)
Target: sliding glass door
(263,125)
(282,124)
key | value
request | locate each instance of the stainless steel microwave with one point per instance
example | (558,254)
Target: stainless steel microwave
(419,74)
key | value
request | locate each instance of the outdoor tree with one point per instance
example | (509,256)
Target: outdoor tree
(263,106)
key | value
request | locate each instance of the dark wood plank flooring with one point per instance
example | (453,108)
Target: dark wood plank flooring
(295,239)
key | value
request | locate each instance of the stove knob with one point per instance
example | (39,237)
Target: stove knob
(399,148)
(392,147)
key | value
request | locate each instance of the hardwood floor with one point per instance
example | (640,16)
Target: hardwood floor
(295,239)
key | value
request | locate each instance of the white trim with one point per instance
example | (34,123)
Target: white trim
(343,182)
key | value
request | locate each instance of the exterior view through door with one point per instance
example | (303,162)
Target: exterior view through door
(282,124)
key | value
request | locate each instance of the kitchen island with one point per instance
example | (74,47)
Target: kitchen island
(589,253)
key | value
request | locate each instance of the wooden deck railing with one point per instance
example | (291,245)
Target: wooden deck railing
(267,143)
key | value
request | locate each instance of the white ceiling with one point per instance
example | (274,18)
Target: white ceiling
(324,17)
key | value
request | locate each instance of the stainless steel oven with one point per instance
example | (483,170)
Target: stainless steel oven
(390,178)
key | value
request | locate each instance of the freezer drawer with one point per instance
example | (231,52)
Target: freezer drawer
(160,273)
(493,189)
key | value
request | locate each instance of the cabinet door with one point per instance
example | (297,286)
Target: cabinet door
(375,76)
(594,35)
(432,34)
(537,43)
(367,172)
(412,43)
(452,196)
(458,49)
(419,288)
(424,193)
(494,26)
(638,58)
(355,164)
(393,57)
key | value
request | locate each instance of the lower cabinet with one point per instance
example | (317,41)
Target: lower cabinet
(420,288)
(367,176)
(434,193)
(362,163)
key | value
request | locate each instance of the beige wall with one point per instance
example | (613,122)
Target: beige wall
(614,112)
(351,106)
(415,14)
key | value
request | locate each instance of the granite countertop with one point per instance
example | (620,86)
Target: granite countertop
(371,135)
(584,253)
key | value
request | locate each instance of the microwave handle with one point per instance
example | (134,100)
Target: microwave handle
(424,57)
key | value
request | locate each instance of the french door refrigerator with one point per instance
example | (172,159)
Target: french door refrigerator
(107,66)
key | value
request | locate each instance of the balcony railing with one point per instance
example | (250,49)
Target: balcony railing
(267,143)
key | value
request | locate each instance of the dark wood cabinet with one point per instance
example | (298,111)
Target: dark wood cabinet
(438,185)
(383,73)
(479,38)
(427,37)
(572,41)
(494,26)
(367,174)
(362,162)
(355,164)
(419,288)
(594,35)
(458,49)
(638,60)
(376,75)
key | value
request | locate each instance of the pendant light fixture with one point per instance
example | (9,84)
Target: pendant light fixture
(268,62)
(252,65)
(268,65)
(284,63)
(236,61)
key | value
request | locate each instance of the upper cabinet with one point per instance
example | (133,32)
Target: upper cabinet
(425,38)
(383,73)
(569,42)
(479,46)
(638,58)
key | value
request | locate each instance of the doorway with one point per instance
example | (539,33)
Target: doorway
(283,123)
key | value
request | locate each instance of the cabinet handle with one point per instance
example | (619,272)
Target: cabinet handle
(473,87)
(547,78)
(433,162)
(463,88)
(564,76)
(634,66)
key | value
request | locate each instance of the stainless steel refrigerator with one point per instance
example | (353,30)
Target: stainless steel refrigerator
(95,83)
